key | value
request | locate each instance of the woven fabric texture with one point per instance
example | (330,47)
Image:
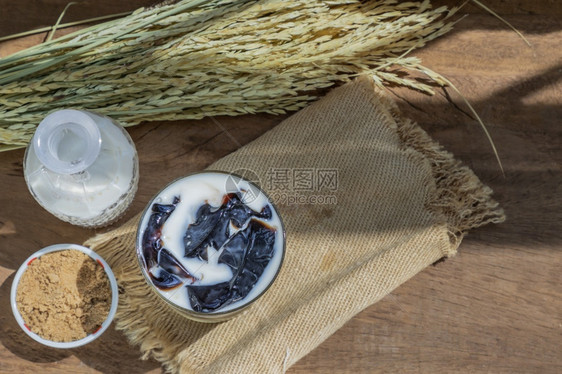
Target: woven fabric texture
(385,202)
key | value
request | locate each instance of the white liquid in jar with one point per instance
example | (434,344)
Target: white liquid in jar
(96,195)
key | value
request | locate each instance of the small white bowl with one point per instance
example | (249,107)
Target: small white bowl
(87,339)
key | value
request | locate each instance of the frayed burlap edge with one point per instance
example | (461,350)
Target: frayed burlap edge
(458,200)
(130,280)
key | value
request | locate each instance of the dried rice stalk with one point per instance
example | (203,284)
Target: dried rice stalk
(197,58)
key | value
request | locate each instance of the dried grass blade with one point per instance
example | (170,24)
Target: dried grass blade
(54,28)
(501,19)
(436,76)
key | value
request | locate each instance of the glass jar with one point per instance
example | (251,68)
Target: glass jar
(171,272)
(82,167)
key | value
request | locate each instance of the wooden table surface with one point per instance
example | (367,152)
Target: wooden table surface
(495,307)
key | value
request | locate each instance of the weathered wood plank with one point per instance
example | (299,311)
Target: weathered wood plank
(495,307)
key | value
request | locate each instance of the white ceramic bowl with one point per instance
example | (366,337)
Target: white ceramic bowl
(87,339)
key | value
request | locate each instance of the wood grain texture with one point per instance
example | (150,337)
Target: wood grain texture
(495,307)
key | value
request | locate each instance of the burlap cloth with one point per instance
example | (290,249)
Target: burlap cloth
(402,203)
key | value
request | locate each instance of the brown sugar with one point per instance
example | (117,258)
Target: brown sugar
(64,296)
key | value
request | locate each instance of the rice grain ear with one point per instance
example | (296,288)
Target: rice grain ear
(196,58)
